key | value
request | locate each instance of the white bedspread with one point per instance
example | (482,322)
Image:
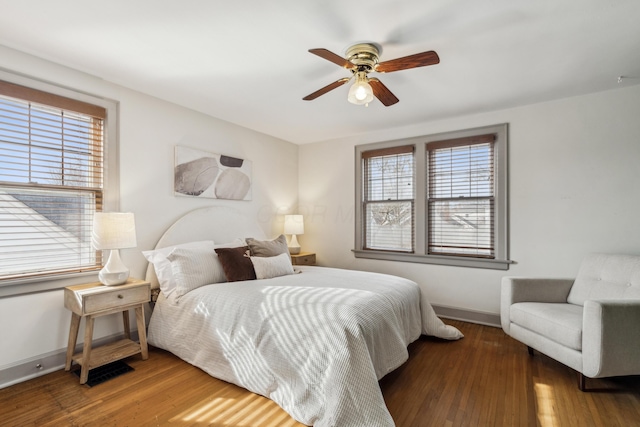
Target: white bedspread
(316,343)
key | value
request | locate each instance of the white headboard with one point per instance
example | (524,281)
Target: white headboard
(218,223)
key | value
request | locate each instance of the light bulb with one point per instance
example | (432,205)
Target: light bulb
(360,93)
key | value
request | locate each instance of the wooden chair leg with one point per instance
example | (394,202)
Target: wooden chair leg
(582,382)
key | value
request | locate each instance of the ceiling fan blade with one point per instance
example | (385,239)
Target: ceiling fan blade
(330,56)
(326,89)
(406,62)
(382,93)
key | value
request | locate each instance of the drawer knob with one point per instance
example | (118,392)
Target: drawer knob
(120,296)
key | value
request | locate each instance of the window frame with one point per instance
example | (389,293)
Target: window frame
(445,186)
(368,200)
(501,218)
(111,196)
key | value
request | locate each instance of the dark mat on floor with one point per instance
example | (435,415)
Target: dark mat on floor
(106,372)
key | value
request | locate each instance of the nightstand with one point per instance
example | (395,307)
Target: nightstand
(304,258)
(93,300)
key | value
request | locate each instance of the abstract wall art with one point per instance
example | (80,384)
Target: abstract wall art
(201,174)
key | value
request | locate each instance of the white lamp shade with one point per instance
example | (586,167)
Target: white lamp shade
(113,230)
(293,224)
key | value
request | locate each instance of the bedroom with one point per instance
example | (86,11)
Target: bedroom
(572,159)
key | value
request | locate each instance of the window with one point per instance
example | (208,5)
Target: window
(438,199)
(52,180)
(388,199)
(460,196)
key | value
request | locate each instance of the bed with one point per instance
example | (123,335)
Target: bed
(316,342)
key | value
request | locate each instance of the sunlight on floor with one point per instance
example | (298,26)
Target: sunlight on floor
(248,411)
(202,410)
(546,405)
(206,411)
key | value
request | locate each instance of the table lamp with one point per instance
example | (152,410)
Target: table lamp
(113,231)
(293,224)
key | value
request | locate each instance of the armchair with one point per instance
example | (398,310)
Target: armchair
(591,324)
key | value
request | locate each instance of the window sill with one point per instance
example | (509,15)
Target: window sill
(25,286)
(493,264)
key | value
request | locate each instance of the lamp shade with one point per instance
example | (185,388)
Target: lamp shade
(113,230)
(293,224)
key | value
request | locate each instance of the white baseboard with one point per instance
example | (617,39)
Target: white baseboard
(45,363)
(465,315)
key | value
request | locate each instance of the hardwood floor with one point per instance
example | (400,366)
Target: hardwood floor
(485,379)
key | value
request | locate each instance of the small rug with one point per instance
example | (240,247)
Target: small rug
(105,372)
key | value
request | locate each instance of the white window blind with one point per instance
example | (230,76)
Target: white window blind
(51,182)
(460,199)
(388,202)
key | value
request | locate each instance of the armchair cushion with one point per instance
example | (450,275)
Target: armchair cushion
(530,289)
(561,323)
(604,276)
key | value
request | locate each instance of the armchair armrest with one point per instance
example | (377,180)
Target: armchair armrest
(531,289)
(611,338)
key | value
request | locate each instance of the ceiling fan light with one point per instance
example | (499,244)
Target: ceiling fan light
(360,93)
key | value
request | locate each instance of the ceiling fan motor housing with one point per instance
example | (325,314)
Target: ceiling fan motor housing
(364,56)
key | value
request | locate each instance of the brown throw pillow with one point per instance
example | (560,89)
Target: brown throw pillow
(236,263)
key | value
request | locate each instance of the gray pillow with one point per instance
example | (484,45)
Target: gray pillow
(268,248)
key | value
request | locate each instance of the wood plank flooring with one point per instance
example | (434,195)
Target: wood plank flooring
(485,379)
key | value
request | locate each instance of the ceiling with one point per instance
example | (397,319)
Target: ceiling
(247,61)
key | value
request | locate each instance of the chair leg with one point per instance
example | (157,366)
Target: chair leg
(582,382)
(530,350)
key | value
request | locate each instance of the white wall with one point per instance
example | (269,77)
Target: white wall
(149,129)
(574,184)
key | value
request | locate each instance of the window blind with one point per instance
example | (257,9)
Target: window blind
(460,199)
(388,202)
(51,182)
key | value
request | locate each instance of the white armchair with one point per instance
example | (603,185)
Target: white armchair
(591,324)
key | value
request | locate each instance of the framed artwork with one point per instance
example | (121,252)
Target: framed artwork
(198,173)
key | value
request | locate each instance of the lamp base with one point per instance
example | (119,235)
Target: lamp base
(294,246)
(113,279)
(114,272)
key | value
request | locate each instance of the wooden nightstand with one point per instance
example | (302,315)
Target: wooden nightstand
(304,258)
(93,300)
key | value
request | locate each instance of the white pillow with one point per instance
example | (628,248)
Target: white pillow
(268,267)
(162,265)
(193,268)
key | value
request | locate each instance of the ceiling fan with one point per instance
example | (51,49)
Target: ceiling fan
(363,58)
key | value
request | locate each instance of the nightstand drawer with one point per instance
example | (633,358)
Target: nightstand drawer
(94,303)
(93,298)
(303,259)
